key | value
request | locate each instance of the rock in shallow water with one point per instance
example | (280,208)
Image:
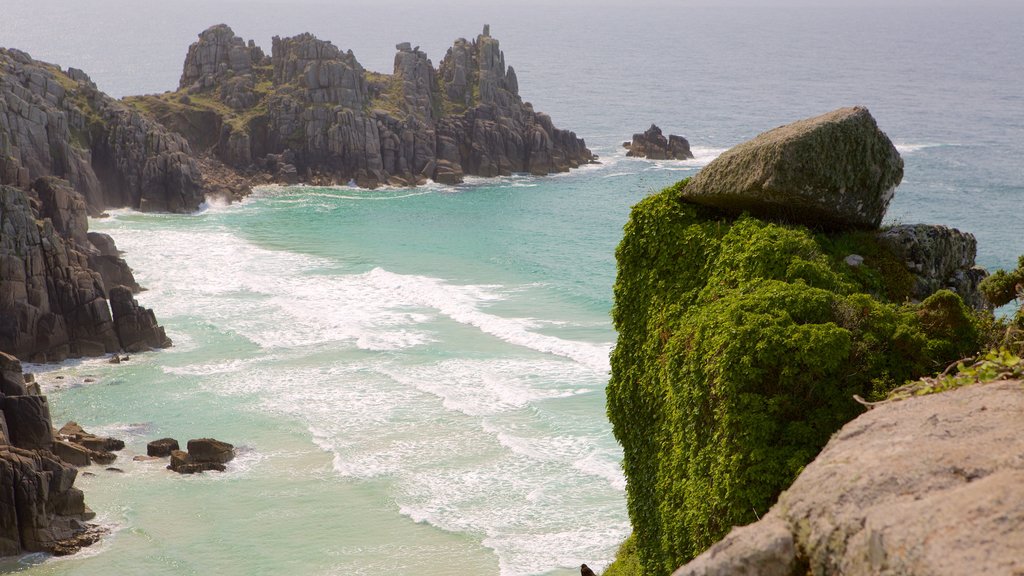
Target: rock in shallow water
(837,170)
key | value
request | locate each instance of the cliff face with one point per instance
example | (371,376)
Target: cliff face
(55,282)
(40,509)
(57,123)
(743,338)
(311,112)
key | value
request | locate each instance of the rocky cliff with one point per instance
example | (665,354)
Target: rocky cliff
(310,112)
(57,123)
(56,279)
(40,509)
(653,145)
(753,302)
(932,485)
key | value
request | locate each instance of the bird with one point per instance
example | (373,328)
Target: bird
(586,571)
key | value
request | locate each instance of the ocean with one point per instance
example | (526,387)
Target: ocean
(414,378)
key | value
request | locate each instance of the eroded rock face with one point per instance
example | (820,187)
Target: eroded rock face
(932,485)
(938,257)
(339,123)
(837,170)
(40,509)
(53,301)
(652,144)
(55,123)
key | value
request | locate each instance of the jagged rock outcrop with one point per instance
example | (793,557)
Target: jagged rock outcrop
(56,123)
(53,302)
(938,257)
(837,170)
(337,122)
(652,144)
(40,509)
(931,485)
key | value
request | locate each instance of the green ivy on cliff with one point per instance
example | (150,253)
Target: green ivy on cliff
(741,345)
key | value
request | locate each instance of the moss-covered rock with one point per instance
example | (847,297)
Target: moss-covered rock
(741,345)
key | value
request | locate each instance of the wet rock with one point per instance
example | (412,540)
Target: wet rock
(184,463)
(210,450)
(162,447)
(837,170)
(652,144)
(137,328)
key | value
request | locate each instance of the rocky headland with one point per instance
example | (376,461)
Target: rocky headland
(309,112)
(759,307)
(653,145)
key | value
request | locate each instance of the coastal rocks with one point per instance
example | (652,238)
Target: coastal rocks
(136,326)
(837,170)
(930,485)
(40,509)
(653,145)
(938,257)
(203,454)
(162,447)
(217,53)
(340,123)
(52,298)
(55,123)
(83,448)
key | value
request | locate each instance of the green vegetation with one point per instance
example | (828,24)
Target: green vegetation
(741,346)
(1002,287)
(627,563)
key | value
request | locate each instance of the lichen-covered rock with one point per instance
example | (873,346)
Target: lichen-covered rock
(837,170)
(938,257)
(932,485)
(217,53)
(652,144)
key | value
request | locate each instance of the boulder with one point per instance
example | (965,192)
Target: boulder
(162,447)
(184,463)
(931,485)
(210,450)
(652,144)
(835,171)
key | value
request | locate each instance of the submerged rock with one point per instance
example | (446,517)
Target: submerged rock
(837,170)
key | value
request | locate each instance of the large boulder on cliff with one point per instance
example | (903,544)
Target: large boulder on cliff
(653,145)
(837,170)
(932,485)
(938,257)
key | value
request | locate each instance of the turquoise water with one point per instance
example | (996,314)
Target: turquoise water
(415,378)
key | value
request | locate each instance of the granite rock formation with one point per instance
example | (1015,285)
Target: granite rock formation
(311,113)
(653,145)
(57,123)
(930,485)
(53,300)
(938,257)
(203,454)
(837,170)
(40,509)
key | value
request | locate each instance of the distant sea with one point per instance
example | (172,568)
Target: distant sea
(415,377)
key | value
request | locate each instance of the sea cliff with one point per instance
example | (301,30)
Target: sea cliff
(309,112)
(754,302)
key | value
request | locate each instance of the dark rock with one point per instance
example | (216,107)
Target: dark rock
(136,326)
(210,450)
(114,469)
(71,453)
(837,170)
(939,257)
(184,463)
(652,144)
(161,447)
(28,421)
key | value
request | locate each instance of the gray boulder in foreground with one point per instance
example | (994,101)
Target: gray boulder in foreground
(837,170)
(933,485)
